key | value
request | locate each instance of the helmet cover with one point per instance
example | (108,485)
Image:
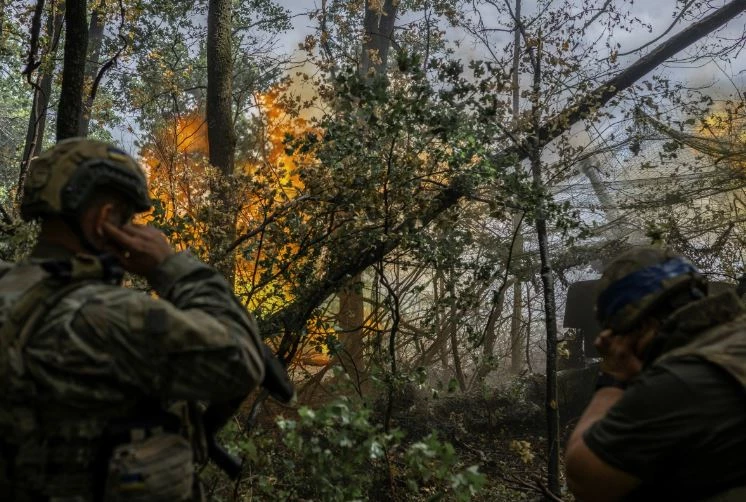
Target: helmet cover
(62,179)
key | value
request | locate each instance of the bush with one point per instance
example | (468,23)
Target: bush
(335,453)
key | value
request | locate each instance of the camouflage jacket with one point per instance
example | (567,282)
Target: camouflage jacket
(102,354)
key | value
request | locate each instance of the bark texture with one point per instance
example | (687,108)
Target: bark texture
(40,102)
(73,70)
(221,135)
(220,131)
(378,29)
(351,318)
(95,39)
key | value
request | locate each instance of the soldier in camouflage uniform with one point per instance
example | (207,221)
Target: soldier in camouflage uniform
(668,419)
(99,381)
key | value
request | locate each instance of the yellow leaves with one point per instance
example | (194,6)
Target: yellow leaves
(310,42)
(375,56)
(563,350)
(725,125)
(377,6)
(524,450)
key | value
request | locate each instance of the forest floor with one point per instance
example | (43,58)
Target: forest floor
(502,431)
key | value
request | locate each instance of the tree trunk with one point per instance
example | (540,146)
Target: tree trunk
(552,410)
(220,131)
(378,30)
(456,356)
(73,70)
(516,340)
(95,39)
(221,135)
(351,300)
(547,280)
(40,104)
(2,25)
(490,335)
(351,318)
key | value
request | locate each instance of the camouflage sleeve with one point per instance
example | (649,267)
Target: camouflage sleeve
(195,342)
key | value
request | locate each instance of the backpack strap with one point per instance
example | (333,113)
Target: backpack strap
(27,312)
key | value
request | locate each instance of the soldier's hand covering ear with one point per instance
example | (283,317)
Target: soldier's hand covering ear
(619,354)
(139,248)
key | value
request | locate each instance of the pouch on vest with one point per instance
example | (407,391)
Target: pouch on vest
(153,469)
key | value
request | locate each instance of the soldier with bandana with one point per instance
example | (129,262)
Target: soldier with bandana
(668,419)
(99,382)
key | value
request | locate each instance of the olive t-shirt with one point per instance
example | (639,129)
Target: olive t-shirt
(680,427)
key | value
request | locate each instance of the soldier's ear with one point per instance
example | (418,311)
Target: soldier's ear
(105,213)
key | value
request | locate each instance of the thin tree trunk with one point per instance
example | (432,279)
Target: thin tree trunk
(351,318)
(547,279)
(221,134)
(517,342)
(439,346)
(527,327)
(40,104)
(95,39)
(2,24)
(456,356)
(516,345)
(552,411)
(34,36)
(490,335)
(220,131)
(73,70)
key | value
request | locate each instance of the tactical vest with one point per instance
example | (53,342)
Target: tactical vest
(52,452)
(713,329)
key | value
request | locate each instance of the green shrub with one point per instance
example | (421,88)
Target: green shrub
(335,453)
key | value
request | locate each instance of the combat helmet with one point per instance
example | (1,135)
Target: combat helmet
(63,178)
(643,281)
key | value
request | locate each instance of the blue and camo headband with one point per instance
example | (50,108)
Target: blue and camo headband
(636,285)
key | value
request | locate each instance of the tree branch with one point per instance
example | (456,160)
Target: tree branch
(113,60)
(31,63)
(295,314)
(668,30)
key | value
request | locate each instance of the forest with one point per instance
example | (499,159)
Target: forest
(411,196)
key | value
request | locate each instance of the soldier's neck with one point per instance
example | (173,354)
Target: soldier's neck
(55,232)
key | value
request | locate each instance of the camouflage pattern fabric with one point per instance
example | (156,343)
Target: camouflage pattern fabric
(62,178)
(106,355)
(714,329)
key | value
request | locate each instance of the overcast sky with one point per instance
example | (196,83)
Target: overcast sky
(658,13)
(724,77)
